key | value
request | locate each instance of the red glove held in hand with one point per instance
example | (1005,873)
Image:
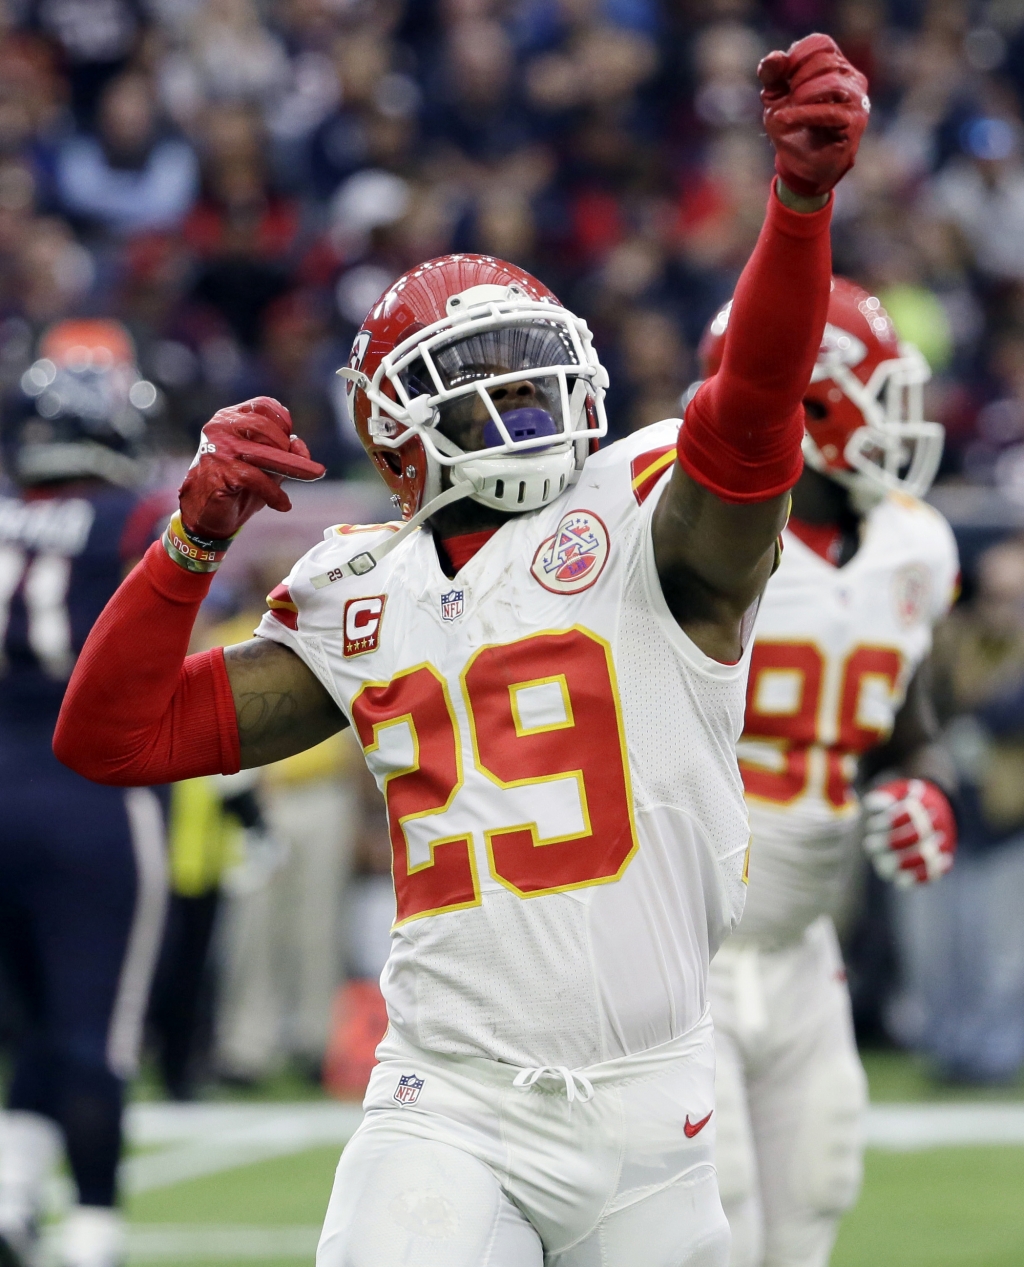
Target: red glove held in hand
(816,108)
(909,831)
(244,454)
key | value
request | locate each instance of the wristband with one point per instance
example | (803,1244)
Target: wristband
(194,554)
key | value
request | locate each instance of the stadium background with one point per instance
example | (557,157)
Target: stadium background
(237,181)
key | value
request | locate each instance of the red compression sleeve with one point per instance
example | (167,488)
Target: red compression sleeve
(136,711)
(744,427)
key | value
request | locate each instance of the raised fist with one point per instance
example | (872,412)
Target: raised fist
(244,453)
(816,108)
(909,831)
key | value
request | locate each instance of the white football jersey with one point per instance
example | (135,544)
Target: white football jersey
(558,760)
(835,649)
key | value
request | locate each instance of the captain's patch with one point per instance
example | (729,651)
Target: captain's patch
(362,623)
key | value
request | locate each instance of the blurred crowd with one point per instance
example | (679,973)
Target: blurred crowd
(960,944)
(238,180)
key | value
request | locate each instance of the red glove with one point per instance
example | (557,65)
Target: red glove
(909,831)
(816,108)
(244,454)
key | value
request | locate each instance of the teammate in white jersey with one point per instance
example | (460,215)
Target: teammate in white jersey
(837,692)
(544,665)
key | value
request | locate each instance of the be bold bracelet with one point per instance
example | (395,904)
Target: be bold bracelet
(194,554)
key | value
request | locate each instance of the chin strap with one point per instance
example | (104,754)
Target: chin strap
(865,493)
(368,560)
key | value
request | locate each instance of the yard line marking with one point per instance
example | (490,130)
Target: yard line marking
(167,1123)
(902,1128)
(190,1242)
(204,1139)
(183,1241)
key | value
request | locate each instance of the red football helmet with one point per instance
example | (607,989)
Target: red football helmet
(864,422)
(453,329)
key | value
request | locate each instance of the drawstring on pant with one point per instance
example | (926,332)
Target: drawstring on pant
(577,1085)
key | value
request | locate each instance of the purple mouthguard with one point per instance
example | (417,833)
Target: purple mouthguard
(522,424)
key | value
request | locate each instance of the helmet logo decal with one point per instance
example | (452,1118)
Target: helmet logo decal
(839,345)
(574,557)
(355,360)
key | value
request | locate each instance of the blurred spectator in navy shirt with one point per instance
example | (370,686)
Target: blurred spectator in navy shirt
(128,176)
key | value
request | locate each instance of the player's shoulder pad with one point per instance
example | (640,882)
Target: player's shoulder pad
(900,501)
(353,530)
(312,589)
(928,525)
(932,537)
(640,458)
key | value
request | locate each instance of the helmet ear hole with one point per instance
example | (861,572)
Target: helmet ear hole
(386,458)
(816,410)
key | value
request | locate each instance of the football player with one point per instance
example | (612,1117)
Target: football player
(81,866)
(544,664)
(837,693)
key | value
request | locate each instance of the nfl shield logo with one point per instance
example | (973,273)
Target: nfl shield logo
(408,1089)
(451,605)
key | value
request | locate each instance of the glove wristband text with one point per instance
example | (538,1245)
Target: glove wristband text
(194,554)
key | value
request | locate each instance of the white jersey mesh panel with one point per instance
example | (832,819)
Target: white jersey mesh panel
(509,944)
(681,764)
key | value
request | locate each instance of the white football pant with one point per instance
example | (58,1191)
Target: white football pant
(487,1165)
(790,1094)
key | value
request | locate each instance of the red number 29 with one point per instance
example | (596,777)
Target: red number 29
(419,698)
(577,738)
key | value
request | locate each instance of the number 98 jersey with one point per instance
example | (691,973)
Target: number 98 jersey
(558,762)
(834,652)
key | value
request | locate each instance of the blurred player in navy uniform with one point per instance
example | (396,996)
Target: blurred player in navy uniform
(82,871)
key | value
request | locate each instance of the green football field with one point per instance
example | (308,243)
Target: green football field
(251,1185)
(944,1207)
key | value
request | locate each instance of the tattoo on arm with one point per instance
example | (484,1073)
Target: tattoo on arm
(265,714)
(281,707)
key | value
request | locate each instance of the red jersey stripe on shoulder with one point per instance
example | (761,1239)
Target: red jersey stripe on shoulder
(647,468)
(279,600)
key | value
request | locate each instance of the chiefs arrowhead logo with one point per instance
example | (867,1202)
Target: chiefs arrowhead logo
(694,1128)
(572,559)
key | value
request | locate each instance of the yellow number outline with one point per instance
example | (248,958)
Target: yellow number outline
(516,687)
(407,719)
(533,828)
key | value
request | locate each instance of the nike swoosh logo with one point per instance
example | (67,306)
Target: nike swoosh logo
(694,1128)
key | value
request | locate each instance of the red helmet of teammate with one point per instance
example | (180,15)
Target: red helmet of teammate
(864,420)
(444,336)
